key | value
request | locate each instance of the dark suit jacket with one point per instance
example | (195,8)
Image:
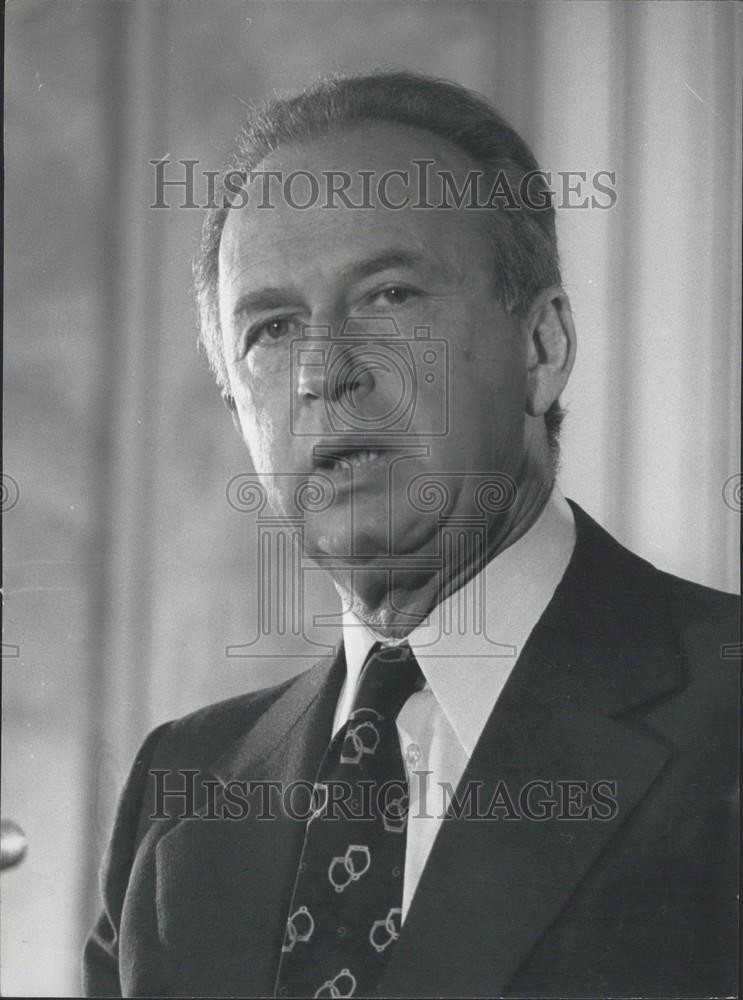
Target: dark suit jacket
(624,679)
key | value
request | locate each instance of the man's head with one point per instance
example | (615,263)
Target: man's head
(482,279)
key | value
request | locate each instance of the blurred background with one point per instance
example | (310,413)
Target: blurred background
(127,571)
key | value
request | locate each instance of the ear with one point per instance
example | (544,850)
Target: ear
(551,347)
(229,401)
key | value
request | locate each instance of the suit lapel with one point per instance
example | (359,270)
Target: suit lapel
(224,886)
(492,887)
(296,728)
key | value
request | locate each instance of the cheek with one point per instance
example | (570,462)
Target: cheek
(490,360)
(264,418)
(488,387)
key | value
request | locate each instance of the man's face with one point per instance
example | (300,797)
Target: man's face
(360,413)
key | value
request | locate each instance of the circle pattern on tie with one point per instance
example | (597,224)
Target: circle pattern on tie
(348,877)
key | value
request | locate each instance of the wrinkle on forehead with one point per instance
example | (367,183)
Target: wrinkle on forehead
(375,147)
(254,250)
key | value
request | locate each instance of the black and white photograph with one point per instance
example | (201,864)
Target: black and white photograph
(371,498)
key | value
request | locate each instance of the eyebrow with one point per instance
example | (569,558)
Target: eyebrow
(385,261)
(262,300)
(271,297)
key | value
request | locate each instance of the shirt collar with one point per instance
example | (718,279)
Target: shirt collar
(466,657)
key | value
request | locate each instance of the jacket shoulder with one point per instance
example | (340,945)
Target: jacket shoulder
(203,735)
(608,563)
(701,603)
(707,623)
(642,603)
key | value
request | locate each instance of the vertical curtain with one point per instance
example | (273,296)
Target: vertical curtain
(652,91)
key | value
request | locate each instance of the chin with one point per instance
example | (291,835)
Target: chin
(369,541)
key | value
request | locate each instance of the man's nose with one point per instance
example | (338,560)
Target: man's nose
(333,370)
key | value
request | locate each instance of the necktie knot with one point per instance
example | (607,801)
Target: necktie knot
(389,677)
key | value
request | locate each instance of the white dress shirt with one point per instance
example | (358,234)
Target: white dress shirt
(466,649)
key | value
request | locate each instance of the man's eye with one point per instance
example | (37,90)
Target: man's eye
(395,295)
(273,329)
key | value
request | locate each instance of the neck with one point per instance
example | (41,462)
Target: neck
(393,602)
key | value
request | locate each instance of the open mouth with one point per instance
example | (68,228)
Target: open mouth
(337,458)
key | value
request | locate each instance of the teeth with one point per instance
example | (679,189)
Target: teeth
(357,459)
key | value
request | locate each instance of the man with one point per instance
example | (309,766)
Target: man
(551,789)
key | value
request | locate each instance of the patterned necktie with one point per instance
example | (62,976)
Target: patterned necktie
(345,913)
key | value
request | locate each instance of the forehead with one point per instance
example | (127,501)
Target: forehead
(295,220)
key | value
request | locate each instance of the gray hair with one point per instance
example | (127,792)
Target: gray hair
(526,256)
